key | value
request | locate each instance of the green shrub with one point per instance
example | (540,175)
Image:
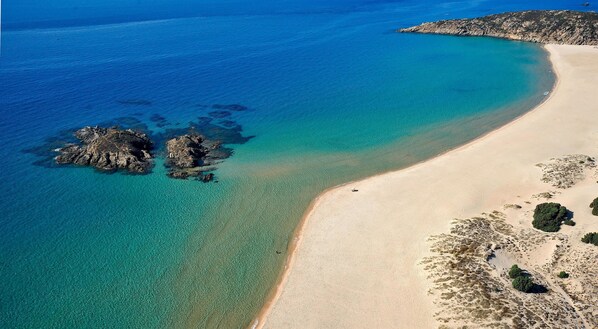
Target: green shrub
(594,206)
(590,238)
(569,222)
(515,272)
(563,275)
(549,216)
(523,283)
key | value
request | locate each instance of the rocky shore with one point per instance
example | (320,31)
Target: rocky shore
(542,26)
(109,149)
(113,149)
(191,156)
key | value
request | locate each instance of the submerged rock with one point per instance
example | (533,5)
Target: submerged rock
(220,114)
(543,26)
(191,155)
(109,149)
(159,120)
(143,102)
(230,107)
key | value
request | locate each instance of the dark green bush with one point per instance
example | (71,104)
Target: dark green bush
(563,275)
(590,238)
(594,206)
(569,222)
(515,272)
(549,216)
(523,283)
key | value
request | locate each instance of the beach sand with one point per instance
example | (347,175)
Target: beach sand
(357,258)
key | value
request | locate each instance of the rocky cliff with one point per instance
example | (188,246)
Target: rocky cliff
(543,26)
(109,149)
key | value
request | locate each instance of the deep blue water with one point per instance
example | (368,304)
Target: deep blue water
(333,94)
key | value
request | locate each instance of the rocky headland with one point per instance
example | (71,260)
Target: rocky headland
(541,26)
(191,156)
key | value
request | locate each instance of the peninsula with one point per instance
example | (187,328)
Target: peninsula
(542,26)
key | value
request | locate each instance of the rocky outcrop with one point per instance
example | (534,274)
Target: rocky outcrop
(109,149)
(543,26)
(191,156)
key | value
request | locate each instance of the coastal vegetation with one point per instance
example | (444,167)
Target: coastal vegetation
(521,280)
(515,272)
(523,283)
(591,238)
(563,275)
(566,171)
(549,216)
(542,26)
(594,206)
(469,293)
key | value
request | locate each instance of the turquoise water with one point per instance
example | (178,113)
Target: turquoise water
(333,95)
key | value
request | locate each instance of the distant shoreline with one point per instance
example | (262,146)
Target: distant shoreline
(293,296)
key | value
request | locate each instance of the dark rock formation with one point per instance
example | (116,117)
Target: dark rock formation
(543,26)
(190,152)
(191,155)
(228,123)
(230,107)
(159,120)
(109,149)
(207,178)
(220,114)
(143,102)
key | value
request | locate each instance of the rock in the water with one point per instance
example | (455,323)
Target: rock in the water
(191,155)
(543,26)
(109,149)
(185,151)
(230,107)
(220,114)
(144,102)
(207,177)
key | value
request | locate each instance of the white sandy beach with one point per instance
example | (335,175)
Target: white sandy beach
(356,264)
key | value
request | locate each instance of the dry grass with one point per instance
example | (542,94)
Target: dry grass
(471,292)
(566,171)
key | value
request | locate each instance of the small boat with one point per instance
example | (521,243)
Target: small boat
(546,93)
(354,190)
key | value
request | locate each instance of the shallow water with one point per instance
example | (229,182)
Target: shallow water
(332,96)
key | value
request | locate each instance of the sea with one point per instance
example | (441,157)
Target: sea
(307,94)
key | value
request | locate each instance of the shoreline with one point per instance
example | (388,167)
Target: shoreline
(260,320)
